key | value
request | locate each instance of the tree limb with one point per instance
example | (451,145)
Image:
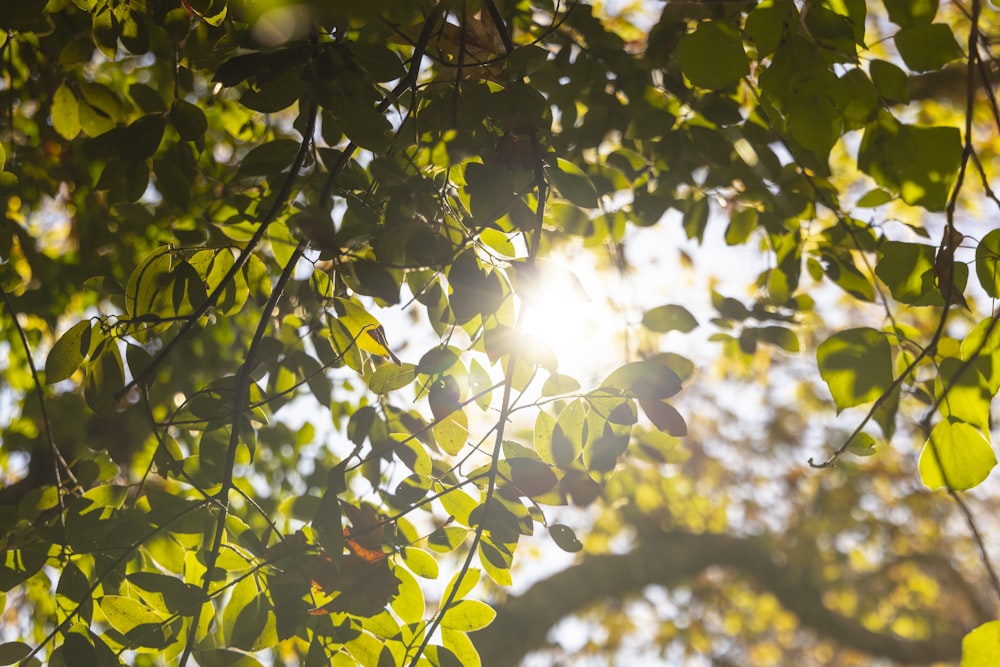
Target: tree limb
(670,560)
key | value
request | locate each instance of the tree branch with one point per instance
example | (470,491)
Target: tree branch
(670,560)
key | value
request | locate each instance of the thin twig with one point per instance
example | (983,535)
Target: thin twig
(279,203)
(242,391)
(59,463)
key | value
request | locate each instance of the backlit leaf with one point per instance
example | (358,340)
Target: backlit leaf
(856,365)
(669,318)
(712,57)
(468,615)
(68,352)
(956,456)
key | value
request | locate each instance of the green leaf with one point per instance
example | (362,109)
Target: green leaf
(907,269)
(646,380)
(531,476)
(669,318)
(918,162)
(452,432)
(782,337)
(420,563)
(189,120)
(565,538)
(873,198)
(890,81)
(468,615)
(269,159)
(927,47)
(66,113)
(103,376)
(125,613)
(988,263)
(665,417)
(409,603)
(856,365)
(712,57)
(862,445)
(68,352)
(911,12)
(956,456)
(462,585)
(12,652)
(220,657)
(573,184)
(965,393)
(390,377)
(981,646)
(765,25)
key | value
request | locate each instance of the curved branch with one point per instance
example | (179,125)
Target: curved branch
(670,560)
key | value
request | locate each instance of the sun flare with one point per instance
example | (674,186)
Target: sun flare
(568,313)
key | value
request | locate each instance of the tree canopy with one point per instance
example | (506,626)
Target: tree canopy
(280,386)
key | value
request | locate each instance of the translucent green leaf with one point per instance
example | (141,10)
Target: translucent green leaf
(968,393)
(712,57)
(462,584)
(420,563)
(669,318)
(927,47)
(984,342)
(857,366)
(918,162)
(956,456)
(861,445)
(988,262)
(125,613)
(409,601)
(389,377)
(559,384)
(457,503)
(460,645)
(65,113)
(981,646)
(781,336)
(565,538)
(468,615)
(873,198)
(220,657)
(68,352)
(452,432)
(496,563)
(907,269)
(446,538)
(241,610)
